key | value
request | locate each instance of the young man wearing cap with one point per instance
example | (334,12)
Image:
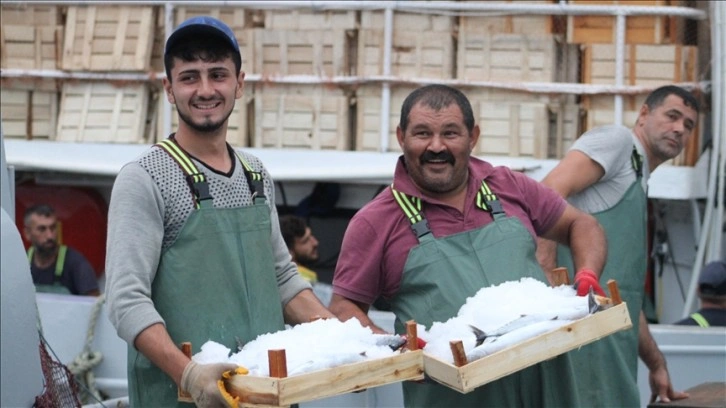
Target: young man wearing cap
(712,293)
(194,246)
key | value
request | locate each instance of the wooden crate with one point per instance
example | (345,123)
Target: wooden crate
(529,352)
(309,19)
(423,46)
(301,116)
(28,113)
(645,65)
(301,52)
(108,38)
(507,57)
(238,19)
(368,117)
(99,112)
(270,391)
(638,29)
(508,24)
(510,128)
(30,37)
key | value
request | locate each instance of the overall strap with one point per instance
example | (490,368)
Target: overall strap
(637,162)
(488,201)
(59,261)
(255,180)
(700,319)
(195,178)
(411,207)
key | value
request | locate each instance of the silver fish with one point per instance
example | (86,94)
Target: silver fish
(393,341)
(522,321)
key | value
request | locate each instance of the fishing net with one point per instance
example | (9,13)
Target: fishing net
(59,387)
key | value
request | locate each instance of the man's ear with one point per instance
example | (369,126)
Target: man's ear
(240,85)
(399,136)
(167,90)
(475,132)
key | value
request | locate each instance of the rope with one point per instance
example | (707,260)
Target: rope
(83,365)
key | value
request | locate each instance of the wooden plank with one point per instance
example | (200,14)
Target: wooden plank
(334,20)
(510,24)
(327,383)
(529,352)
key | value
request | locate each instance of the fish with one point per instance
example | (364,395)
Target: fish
(525,320)
(518,323)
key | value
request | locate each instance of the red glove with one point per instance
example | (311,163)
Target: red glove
(586,279)
(419,341)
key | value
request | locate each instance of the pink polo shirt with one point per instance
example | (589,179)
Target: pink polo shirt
(379,236)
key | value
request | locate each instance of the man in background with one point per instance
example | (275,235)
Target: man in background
(712,293)
(301,243)
(55,268)
(605,174)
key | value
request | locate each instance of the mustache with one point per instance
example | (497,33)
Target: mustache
(440,156)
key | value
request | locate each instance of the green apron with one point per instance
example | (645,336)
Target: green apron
(438,277)
(56,286)
(215,282)
(607,370)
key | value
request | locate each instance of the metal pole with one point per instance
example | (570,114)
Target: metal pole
(386,87)
(619,62)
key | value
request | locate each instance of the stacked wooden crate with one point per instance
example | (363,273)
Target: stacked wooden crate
(423,46)
(107,39)
(519,49)
(654,56)
(309,44)
(30,38)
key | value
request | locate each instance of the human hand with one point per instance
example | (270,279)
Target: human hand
(661,388)
(201,381)
(586,279)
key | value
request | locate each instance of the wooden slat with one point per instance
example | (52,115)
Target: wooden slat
(309,19)
(28,113)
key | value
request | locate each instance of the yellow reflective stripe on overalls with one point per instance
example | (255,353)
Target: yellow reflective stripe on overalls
(184,161)
(59,260)
(199,185)
(700,319)
(487,200)
(411,207)
(255,175)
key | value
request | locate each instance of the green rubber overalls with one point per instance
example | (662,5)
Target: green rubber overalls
(441,273)
(56,286)
(215,282)
(607,370)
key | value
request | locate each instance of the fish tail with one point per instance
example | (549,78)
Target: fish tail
(480,335)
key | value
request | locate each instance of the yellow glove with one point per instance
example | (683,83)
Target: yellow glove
(233,402)
(200,380)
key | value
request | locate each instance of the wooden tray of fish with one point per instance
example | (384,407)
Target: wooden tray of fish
(271,391)
(530,351)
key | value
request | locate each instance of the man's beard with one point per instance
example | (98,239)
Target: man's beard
(47,249)
(207,126)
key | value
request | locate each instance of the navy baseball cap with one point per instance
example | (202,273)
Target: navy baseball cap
(203,25)
(712,281)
